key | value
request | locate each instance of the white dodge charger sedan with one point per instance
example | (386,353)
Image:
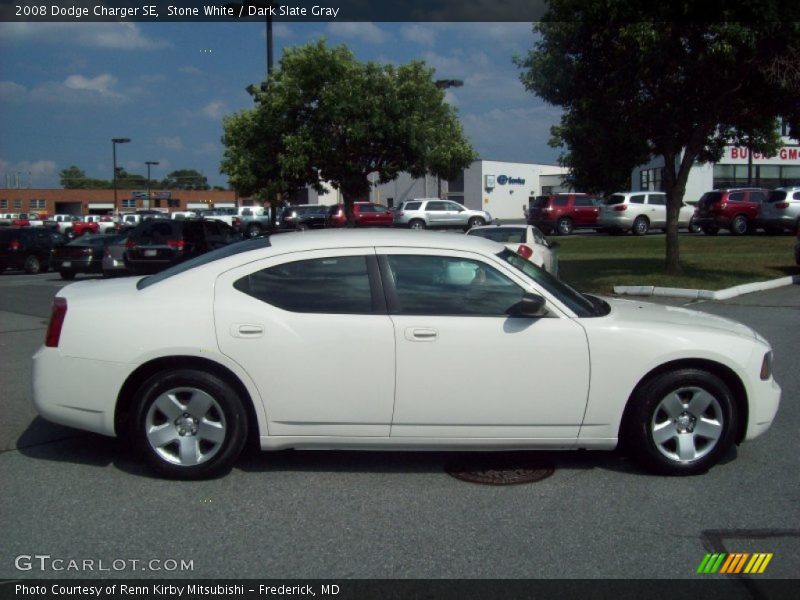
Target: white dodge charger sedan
(372,339)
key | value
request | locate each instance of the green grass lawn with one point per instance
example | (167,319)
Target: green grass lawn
(597,263)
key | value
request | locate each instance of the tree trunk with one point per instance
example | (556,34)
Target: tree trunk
(675,188)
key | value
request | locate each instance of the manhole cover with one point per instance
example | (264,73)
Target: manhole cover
(500,473)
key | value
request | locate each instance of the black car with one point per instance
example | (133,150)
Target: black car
(304,216)
(28,248)
(84,255)
(157,244)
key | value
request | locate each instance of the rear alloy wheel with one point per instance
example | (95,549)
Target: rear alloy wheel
(417,224)
(32,264)
(253,231)
(640,226)
(565,226)
(683,422)
(476,222)
(67,275)
(70,233)
(189,424)
(739,225)
(693,228)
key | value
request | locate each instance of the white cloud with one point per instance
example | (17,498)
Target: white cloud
(114,35)
(12,92)
(214,110)
(170,143)
(33,173)
(206,149)
(419,34)
(281,31)
(101,84)
(365,32)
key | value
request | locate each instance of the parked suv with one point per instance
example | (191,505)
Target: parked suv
(160,243)
(28,248)
(563,213)
(781,210)
(734,209)
(366,214)
(422,213)
(303,216)
(638,212)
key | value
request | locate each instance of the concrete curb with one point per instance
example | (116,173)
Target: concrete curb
(747,288)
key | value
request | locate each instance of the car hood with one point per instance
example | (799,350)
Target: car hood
(647,312)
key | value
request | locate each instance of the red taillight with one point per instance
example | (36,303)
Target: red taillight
(524,251)
(782,205)
(176,244)
(106,252)
(130,244)
(621,207)
(236,221)
(57,316)
(14,245)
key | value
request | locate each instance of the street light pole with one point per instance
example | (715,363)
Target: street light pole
(149,163)
(114,142)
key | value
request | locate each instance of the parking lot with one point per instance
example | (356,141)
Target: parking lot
(75,495)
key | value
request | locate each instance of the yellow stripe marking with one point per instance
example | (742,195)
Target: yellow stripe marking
(740,564)
(766,562)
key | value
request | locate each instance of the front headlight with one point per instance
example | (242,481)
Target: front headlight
(766,366)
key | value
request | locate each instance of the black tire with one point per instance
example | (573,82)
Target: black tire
(32,264)
(565,226)
(69,233)
(253,231)
(416,224)
(772,230)
(214,431)
(475,222)
(711,230)
(640,226)
(694,228)
(669,416)
(67,275)
(739,225)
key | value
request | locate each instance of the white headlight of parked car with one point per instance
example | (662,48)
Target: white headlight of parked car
(395,324)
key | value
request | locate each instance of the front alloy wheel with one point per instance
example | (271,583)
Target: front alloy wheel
(564,226)
(682,422)
(189,424)
(739,225)
(640,226)
(476,222)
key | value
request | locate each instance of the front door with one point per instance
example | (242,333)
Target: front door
(467,370)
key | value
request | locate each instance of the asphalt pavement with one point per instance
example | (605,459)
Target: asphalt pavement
(329,514)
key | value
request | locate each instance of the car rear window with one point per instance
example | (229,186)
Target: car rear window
(540,201)
(777,196)
(204,259)
(615,199)
(710,198)
(157,232)
(411,206)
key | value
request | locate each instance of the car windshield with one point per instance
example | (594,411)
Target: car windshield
(204,259)
(580,304)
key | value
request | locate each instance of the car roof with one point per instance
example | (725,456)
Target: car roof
(359,238)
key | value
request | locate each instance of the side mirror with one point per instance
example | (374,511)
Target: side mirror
(531,306)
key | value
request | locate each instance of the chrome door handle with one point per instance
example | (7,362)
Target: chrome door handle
(244,330)
(421,334)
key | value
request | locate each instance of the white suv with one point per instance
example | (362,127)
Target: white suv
(638,212)
(422,213)
(781,210)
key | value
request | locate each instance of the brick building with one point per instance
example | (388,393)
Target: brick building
(86,202)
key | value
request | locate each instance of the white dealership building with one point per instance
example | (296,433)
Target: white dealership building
(738,167)
(499,187)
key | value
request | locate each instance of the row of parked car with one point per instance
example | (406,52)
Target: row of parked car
(739,210)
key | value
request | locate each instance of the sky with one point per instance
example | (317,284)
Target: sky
(66,89)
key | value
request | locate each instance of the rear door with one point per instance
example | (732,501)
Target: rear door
(657,210)
(311,330)
(584,210)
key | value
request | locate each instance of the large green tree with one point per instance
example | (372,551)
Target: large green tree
(639,79)
(185,179)
(326,117)
(74,178)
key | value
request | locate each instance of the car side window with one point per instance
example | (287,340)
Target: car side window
(560,201)
(735,196)
(638,199)
(335,285)
(448,285)
(436,206)
(796,196)
(454,206)
(759,197)
(583,202)
(656,200)
(411,206)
